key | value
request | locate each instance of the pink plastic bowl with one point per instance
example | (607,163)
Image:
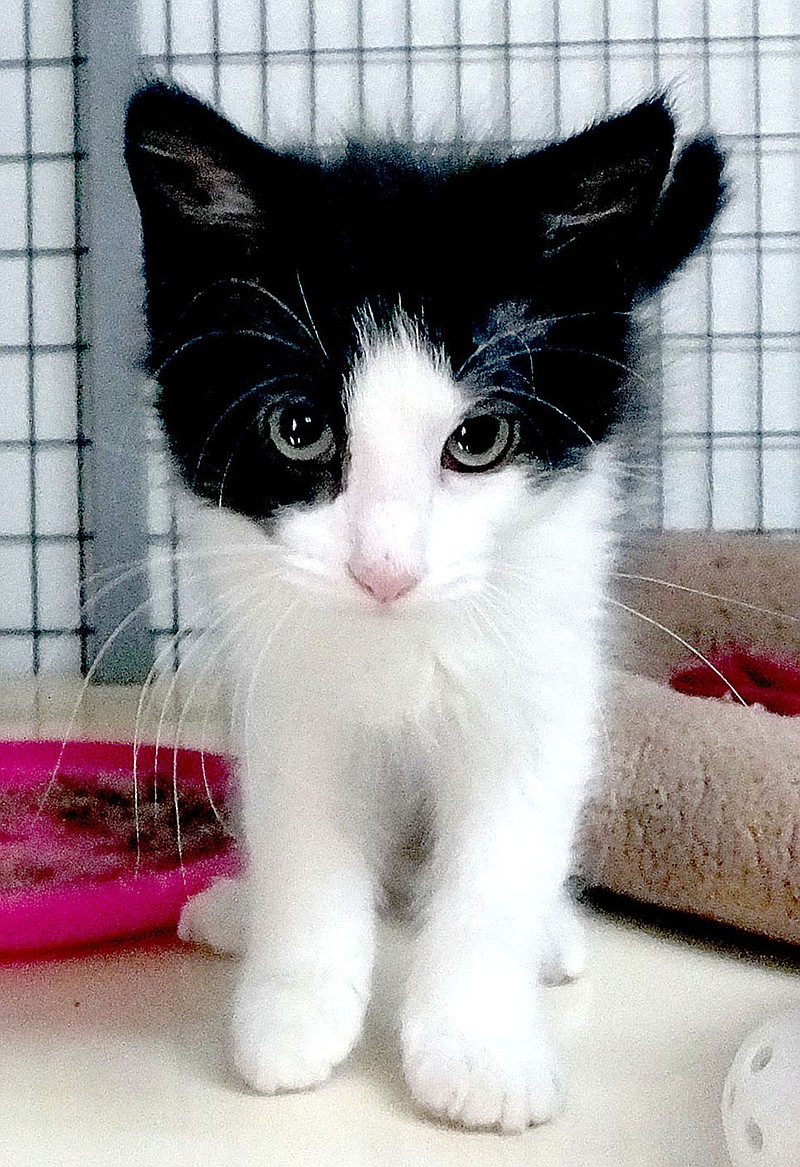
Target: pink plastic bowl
(78,909)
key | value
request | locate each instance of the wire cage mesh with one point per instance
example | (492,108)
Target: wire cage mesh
(518,71)
(43,532)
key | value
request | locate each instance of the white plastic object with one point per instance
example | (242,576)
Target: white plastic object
(761,1099)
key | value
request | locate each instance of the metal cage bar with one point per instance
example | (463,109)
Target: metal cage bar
(116,486)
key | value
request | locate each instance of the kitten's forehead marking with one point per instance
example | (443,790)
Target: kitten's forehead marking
(402,403)
(402,400)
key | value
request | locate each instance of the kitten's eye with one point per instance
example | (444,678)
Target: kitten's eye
(481,442)
(301,433)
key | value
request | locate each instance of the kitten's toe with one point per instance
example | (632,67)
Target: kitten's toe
(564,953)
(289,1034)
(214,918)
(481,1080)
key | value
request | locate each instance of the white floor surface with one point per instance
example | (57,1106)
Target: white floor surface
(115,1057)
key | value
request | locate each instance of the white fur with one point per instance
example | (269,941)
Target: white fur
(472,698)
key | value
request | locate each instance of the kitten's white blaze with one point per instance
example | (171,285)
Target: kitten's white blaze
(402,405)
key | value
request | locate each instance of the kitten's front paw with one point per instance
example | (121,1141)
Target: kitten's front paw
(290,1033)
(480,1079)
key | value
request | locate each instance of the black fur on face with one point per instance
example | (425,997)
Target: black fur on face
(524,270)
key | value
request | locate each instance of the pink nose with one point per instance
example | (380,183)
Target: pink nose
(384,583)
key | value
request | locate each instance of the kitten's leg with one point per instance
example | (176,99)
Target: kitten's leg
(214,918)
(564,948)
(304,983)
(475,1049)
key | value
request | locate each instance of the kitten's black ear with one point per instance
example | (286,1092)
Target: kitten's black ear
(614,187)
(691,201)
(187,164)
(612,172)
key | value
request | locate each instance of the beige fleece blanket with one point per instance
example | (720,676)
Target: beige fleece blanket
(698,804)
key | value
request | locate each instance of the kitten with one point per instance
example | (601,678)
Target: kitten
(396,378)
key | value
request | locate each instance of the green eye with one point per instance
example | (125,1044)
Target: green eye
(482,442)
(301,433)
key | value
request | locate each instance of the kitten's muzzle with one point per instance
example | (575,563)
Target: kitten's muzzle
(386,547)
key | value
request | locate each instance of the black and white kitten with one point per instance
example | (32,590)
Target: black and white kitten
(395,378)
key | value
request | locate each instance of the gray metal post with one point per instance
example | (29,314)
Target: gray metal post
(110,297)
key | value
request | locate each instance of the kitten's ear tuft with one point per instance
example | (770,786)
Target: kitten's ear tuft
(187,163)
(611,175)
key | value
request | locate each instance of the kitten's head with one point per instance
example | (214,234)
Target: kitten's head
(382,357)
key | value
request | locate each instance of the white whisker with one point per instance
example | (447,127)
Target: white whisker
(494,629)
(145,688)
(287,612)
(142,564)
(690,647)
(528,327)
(229,463)
(311,318)
(98,660)
(218,334)
(247,599)
(203,673)
(707,595)
(521,575)
(252,392)
(238,282)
